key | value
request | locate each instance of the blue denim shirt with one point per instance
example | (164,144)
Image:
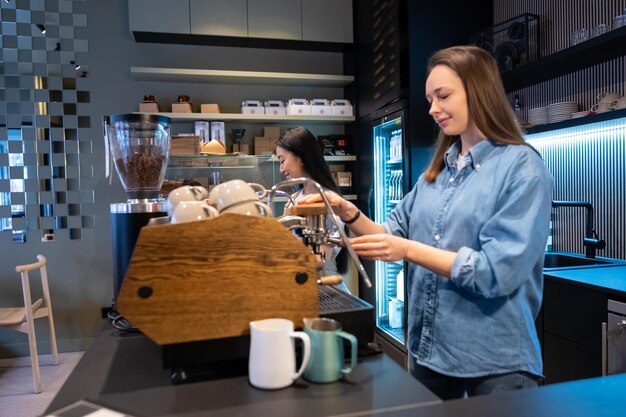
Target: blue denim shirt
(495,214)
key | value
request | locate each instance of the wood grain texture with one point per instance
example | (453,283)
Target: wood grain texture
(309,209)
(208,279)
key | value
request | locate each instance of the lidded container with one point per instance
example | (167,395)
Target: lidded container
(140,147)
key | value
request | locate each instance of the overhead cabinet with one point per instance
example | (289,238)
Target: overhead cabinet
(293,20)
(327,21)
(275,19)
(219,17)
(161,16)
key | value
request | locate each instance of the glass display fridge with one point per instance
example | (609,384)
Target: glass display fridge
(389,180)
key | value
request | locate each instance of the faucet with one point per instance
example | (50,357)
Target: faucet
(590,241)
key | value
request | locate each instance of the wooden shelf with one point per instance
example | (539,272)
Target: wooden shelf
(239,77)
(267,158)
(255,118)
(588,53)
(581,121)
(340,158)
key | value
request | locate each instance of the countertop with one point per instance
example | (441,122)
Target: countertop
(124,372)
(610,279)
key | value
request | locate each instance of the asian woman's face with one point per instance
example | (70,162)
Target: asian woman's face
(290,164)
(448,100)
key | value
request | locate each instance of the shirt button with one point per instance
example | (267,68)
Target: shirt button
(437,237)
(477,166)
(451,179)
(426,332)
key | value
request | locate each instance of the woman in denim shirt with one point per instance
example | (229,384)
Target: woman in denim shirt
(473,231)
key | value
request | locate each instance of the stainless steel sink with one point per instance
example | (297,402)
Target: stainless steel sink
(566,260)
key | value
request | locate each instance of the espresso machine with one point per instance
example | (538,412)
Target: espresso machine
(139,146)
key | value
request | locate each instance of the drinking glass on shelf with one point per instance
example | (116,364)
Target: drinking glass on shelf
(599,29)
(579,35)
(618,21)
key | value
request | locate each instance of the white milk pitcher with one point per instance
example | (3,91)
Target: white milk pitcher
(272,362)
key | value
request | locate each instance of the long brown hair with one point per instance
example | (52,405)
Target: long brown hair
(487,103)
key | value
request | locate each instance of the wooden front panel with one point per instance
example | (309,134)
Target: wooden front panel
(208,279)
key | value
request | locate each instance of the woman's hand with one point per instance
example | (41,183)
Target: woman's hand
(343,208)
(381,247)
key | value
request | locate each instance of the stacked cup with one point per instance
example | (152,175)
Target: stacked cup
(620,104)
(606,102)
(240,197)
(188,203)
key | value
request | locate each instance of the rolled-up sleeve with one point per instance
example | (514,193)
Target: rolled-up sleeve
(512,238)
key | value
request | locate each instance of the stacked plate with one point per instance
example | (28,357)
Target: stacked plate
(538,116)
(558,112)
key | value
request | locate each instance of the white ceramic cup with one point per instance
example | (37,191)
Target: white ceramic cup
(620,104)
(608,97)
(249,208)
(189,211)
(232,192)
(186,193)
(272,362)
(603,106)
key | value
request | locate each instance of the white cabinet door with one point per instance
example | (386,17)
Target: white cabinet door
(275,19)
(162,16)
(219,17)
(327,21)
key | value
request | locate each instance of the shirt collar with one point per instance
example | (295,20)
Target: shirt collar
(477,154)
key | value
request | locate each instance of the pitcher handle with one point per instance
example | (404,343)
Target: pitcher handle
(353,351)
(306,342)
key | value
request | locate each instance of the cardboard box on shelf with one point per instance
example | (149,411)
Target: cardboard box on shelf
(321,107)
(209,108)
(336,167)
(252,107)
(342,107)
(299,106)
(149,107)
(262,146)
(272,132)
(344,179)
(242,148)
(183,107)
(275,108)
(185,145)
(273,143)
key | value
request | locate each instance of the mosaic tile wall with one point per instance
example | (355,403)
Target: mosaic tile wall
(45,148)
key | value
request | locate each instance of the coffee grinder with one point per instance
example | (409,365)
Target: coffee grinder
(139,147)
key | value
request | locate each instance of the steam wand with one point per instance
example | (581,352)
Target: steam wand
(342,233)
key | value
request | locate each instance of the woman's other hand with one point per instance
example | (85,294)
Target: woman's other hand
(381,247)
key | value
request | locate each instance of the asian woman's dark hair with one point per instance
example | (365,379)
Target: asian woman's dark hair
(303,144)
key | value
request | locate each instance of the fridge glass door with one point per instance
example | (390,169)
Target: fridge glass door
(388,191)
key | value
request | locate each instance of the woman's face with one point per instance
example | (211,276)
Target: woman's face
(448,102)
(290,164)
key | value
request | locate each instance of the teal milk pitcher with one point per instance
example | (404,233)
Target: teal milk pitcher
(327,355)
